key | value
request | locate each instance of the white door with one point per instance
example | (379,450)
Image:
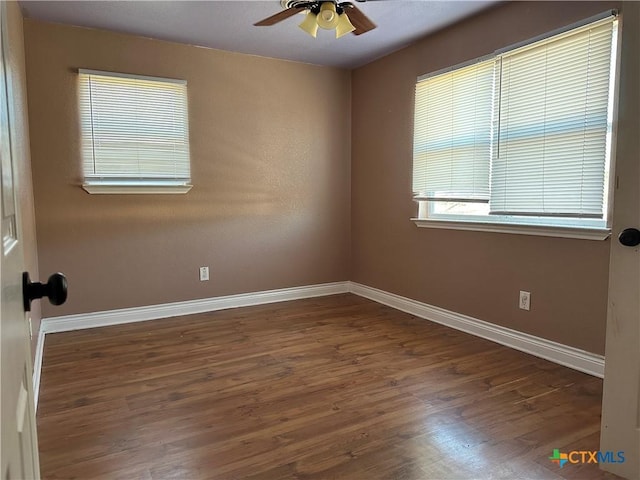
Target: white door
(621,399)
(19,445)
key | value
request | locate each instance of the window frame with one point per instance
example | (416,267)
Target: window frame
(563,227)
(112,184)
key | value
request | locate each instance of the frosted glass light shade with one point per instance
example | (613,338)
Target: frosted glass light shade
(327,18)
(309,24)
(344,25)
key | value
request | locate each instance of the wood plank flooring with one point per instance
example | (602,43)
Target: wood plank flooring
(328,388)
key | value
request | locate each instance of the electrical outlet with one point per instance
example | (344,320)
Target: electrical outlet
(204,274)
(525,300)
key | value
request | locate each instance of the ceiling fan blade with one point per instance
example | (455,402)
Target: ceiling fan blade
(278,17)
(358,19)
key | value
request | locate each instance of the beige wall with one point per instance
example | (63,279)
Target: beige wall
(20,138)
(477,274)
(272,196)
(270,206)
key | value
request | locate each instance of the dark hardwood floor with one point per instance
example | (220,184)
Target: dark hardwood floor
(328,388)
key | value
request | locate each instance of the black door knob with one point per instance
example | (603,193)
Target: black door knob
(55,289)
(629,237)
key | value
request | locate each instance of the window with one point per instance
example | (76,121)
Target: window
(135,133)
(522,137)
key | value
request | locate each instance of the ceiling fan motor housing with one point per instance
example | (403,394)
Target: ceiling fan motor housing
(342,16)
(313,5)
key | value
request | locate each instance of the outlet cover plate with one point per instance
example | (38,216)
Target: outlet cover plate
(525,300)
(204,274)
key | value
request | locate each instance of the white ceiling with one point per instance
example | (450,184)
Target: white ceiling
(228,25)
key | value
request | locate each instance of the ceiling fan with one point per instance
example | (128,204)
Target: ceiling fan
(344,17)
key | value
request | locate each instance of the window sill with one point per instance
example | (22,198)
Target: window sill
(537,230)
(132,188)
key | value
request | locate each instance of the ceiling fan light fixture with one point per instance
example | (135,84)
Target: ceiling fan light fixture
(326,14)
(310,24)
(344,25)
(327,18)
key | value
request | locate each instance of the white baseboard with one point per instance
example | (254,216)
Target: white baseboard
(37,367)
(540,347)
(153,312)
(562,354)
(80,321)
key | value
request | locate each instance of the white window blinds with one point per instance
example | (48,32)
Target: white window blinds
(134,129)
(528,131)
(452,134)
(554,125)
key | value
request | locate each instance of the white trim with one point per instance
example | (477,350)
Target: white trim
(112,188)
(37,366)
(21,408)
(562,354)
(540,347)
(538,230)
(152,312)
(103,73)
